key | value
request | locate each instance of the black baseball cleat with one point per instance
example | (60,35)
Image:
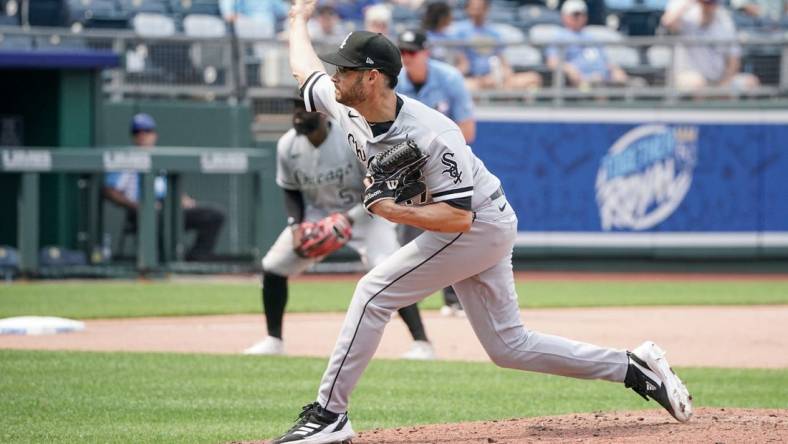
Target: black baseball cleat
(317,425)
(650,376)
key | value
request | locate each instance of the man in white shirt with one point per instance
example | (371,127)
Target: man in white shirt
(697,66)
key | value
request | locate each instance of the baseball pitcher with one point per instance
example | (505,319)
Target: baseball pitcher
(420,172)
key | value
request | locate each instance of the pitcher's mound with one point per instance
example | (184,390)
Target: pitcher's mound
(708,425)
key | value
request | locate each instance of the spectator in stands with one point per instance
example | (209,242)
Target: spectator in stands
(596,11)
(434,83)
(698,66)
(268,14)
(436,22)
(377,18)
(584,66)
(326,27)
(123,189)
(484,65)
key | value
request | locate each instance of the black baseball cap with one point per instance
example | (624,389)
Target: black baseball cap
(364,49)
(413,40)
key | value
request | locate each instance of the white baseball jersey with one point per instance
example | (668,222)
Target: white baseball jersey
(329,177)
(484,285)
(452,170)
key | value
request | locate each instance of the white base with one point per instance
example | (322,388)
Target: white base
(38,325)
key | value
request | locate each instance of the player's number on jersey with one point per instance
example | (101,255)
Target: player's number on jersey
(347,196)
(362,156)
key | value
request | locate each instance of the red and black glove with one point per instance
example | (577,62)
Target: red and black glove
(324,236)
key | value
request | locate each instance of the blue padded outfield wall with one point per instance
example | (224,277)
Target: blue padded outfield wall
(701,179)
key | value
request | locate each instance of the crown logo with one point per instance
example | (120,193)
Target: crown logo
(686,133)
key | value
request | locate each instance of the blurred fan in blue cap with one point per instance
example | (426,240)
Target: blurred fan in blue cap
(123,188)
(143,130)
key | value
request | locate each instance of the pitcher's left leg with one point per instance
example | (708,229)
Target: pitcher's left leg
(492,307)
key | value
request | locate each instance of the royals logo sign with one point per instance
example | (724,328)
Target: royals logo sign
(645,176)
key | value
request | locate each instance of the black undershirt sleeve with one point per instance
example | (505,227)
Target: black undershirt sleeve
(294,205)
(463,203)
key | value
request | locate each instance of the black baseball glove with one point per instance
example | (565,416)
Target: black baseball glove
(395,174)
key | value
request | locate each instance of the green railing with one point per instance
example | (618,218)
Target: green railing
(30,164)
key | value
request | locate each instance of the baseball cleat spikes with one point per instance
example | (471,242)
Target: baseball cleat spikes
(650,376)
(316,425)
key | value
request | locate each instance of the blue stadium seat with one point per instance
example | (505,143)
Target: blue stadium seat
(9,20)
(46,12)
(523,57)
(96,14)
(530,15)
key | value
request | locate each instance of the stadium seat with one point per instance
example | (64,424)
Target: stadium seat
(509,34)
(523,57)
(9,20)
(152,25)
(531,15)
(624,56)
(95,14)
(206,56)
(603,33)
(201,25)
(248,28)
(543,34)
(45,12)
(658,56)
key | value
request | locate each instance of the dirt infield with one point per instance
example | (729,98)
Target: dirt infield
(719,425)
(753,336)
(708,425)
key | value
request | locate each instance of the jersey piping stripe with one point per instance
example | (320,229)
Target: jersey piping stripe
(453,196)
(364,311)
(454,191)
(306,82)
(309,98)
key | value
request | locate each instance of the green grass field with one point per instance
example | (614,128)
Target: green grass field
(146,397)
(155,398)
(86,300)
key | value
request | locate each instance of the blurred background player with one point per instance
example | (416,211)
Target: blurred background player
(320,177)
(439,86)
(123,189)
